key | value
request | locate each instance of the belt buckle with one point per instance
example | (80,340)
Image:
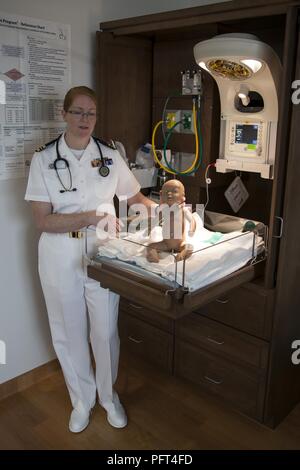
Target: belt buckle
(75,234)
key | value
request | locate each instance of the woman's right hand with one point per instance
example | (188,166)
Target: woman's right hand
(106,222)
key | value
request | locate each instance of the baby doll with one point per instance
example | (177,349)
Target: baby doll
(174,218)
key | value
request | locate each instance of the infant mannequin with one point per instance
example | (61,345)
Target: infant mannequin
(174,223)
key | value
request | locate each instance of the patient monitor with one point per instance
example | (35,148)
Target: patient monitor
(247,72)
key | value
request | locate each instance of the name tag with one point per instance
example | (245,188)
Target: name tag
(60,165)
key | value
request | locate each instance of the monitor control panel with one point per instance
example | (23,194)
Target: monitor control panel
(245,139)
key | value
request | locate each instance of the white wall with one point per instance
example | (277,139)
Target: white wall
(23,318)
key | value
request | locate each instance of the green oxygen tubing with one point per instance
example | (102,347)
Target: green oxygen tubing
(198,151)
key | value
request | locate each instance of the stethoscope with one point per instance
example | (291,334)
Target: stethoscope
(57,165)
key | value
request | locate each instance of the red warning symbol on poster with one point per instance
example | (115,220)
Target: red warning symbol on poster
(14,74)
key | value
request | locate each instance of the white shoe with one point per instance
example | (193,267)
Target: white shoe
(116,415)
(79,419)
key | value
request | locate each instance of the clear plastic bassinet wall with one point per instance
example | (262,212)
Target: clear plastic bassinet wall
(220,246)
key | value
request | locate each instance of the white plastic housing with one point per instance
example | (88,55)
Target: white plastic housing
(237,48)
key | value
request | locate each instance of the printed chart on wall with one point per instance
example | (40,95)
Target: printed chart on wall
(35,73)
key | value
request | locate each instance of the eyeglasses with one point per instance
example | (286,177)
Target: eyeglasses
(80,114)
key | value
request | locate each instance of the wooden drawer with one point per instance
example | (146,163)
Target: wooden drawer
(246,308)
(154,318)
(219,339)
(146,341)
(244,391)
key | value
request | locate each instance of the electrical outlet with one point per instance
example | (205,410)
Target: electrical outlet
(185,116)
(187,122)
(172,116)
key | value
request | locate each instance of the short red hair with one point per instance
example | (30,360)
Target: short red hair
(76,91)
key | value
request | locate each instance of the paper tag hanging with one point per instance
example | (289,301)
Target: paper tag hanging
(236,194)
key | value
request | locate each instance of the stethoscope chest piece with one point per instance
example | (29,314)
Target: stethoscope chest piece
(104,170)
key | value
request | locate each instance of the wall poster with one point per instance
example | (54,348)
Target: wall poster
(35,73)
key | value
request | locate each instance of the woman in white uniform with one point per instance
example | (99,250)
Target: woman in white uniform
(65,188)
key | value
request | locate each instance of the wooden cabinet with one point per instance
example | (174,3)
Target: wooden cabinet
(222,341)
(149,316)
(223,360)
(247,308)
(241,340)
(146,334)
(146,341)
(236,385)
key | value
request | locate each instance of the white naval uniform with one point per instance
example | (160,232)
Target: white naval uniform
(71,297)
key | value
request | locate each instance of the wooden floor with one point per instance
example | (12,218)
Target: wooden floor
(164,413)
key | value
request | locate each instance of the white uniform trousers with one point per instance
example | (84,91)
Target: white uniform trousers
(72,299)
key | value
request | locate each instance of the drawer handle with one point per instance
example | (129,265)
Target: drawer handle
(281,227)
(138,341)
(222,301)
(215,382)
(219,343)
(135,306)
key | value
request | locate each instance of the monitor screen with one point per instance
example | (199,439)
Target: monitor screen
(246,134)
